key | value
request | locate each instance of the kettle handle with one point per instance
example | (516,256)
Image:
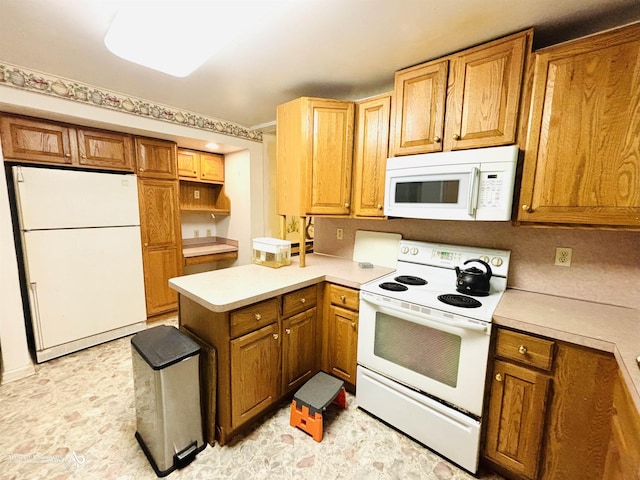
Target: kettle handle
(486,265)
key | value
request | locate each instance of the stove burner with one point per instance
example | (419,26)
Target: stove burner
(410,280)
(459,301)
(394,287)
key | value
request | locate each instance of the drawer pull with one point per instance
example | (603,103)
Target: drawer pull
(288,331)
(258,317)
(275,336)
(303,300)
(522,349)
(499,377)
(343,298)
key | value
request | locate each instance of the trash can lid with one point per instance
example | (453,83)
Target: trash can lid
(163,346)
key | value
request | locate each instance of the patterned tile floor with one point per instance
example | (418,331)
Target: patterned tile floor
(75,418)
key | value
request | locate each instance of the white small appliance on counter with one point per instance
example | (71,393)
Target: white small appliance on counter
(423,347)
(472,184)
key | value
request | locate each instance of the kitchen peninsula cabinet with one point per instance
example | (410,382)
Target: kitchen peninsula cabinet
(549,410)
(581,164)
(31,140)
(341,324)
(371,150)
(466,100)
(265,351)
(160,226)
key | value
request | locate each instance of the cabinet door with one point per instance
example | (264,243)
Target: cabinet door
(36,141)
(516,416)
(484,94)
(188,164)
(255,378)
(156,158)
(419,107)
(370,156)
(343,343)
(331,152)
(581,161)
(299,353)
(105,149)
(211,167)
(161,242)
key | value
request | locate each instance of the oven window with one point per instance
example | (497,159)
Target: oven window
(424,350)
(433,191)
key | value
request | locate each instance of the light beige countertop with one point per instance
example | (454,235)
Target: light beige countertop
(231,288)
(603,327)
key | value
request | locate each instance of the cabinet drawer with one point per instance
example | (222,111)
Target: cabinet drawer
(298,301)
(255,316)
(345,297)
(525,349)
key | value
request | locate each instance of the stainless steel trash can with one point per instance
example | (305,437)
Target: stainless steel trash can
(167,396)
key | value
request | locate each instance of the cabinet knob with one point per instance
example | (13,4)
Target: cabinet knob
(275,336)
(258,316)
(141,169)
(437,139)
(303,300)
(353,325)
(83,156)
(525,208)
(456,136)
(379,206)
(347,205)
(499,377)
(67,155)
(343,298)
(146,244)
(522,349)
(194,172)
(288,331)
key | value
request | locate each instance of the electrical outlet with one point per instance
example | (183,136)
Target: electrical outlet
(196,233)
(563,256)
(196,194)
(208,232)
(339,234)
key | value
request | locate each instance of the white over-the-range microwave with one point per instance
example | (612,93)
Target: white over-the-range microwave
(461,185)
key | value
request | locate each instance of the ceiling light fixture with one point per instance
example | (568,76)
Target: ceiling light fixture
(212,146)
(171,37)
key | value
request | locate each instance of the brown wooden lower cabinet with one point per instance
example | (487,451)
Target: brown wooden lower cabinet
(341,326)
(264,352)
(550,415)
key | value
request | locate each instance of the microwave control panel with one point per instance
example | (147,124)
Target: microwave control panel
(491,184)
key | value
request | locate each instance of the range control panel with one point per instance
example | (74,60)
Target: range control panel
(451,256)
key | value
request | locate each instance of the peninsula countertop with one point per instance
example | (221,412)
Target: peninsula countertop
(231,288)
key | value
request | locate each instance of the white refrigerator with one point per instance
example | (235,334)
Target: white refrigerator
(82,257)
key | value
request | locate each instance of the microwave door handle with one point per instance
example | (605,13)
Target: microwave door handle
(417,317)
(472,201)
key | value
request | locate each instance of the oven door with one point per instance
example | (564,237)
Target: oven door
(443,357)
(445,192)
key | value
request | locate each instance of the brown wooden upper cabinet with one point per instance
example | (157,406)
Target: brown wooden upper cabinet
(156,158)
(371,150)
(200,166)
(32,140)
(581,162)
(314,157)
(466,100)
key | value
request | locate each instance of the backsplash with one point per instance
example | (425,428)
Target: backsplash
(605,264)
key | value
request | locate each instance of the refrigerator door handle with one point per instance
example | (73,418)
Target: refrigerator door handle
(35,313)
(19,176)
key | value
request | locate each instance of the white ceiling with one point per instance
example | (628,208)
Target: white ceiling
(347,49)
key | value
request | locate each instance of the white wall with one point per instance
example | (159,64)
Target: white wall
(16,360)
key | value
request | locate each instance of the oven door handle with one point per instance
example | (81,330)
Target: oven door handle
(421,317)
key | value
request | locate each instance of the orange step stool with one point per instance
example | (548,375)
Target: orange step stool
(312,399)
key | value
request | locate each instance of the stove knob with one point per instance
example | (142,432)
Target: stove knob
(496,261)
(404,250)
(484,258)
(414,251)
